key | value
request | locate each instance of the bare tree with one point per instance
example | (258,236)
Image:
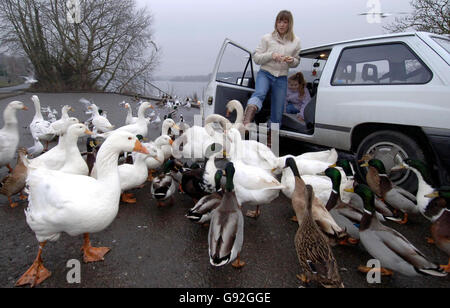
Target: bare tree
(110,48)
(428,15)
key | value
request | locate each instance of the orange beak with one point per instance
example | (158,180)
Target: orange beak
(25,108)
(151,106)
(170,141)
(138,147)
(88,132)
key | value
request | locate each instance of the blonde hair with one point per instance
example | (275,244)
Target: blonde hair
(301,81)
(286,15)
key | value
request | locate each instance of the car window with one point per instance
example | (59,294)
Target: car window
(235,67)
(380,64)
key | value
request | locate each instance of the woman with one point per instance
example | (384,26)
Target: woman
(277,52)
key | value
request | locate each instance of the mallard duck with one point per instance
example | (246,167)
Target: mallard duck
(201,212)
(39,127)
(9,134)
(85,206)
(134,175)
(382,186)
(226,230)
(14,182)
(315,256)
(320,214)
(438,211)
(346,216)
(383,211)
(164,186)
(391,248)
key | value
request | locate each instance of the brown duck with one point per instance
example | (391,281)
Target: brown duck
(14,182)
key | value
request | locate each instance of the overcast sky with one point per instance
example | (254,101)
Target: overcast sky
(189,33)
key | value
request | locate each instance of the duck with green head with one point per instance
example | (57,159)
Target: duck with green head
(384,212)
(391,194)
(345,215)
(163,186)
(391,248)
(201,212)
(438,211)
(226,230)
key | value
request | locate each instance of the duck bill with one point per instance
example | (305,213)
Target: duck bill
(364,165)
(434,194)
(151,106)
(176,127)
(88,132)
(332,166)
(350,190)
(138,147)
(24,108)
(170,141)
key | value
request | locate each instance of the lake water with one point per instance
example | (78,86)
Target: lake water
(179,88)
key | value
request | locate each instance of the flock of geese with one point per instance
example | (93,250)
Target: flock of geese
(79,192)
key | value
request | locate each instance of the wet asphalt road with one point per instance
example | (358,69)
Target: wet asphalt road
(159,247)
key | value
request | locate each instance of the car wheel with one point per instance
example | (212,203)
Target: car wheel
(391,147)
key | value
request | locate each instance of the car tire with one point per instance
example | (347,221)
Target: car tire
(391,147)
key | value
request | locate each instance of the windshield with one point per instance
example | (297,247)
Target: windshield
(444,43)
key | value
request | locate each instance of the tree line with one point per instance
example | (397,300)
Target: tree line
(81,45)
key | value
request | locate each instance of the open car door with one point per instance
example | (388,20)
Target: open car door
(232,78)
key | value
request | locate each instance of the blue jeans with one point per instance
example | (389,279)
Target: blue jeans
(291,109)
(264,82)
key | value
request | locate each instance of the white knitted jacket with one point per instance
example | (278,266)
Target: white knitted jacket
(271,43)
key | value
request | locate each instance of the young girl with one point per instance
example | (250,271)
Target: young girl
(297,96)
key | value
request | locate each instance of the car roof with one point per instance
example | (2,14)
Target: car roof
(371,38)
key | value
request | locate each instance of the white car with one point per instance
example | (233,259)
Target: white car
(387,95)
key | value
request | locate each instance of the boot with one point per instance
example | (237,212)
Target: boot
(249,114)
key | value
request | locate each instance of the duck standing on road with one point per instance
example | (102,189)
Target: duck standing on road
(9,134)
(391,248)
(438,211)
(85,206)
(226,230)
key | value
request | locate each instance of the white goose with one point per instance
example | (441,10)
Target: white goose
(101,123)
(74,162)
(253,153)
(166,125)
(58,126)
(55,158)
(75,204)
(197,139)
(9,134)
(141,125)
(39,127)
(135,174)
(155,162)
(129,119)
